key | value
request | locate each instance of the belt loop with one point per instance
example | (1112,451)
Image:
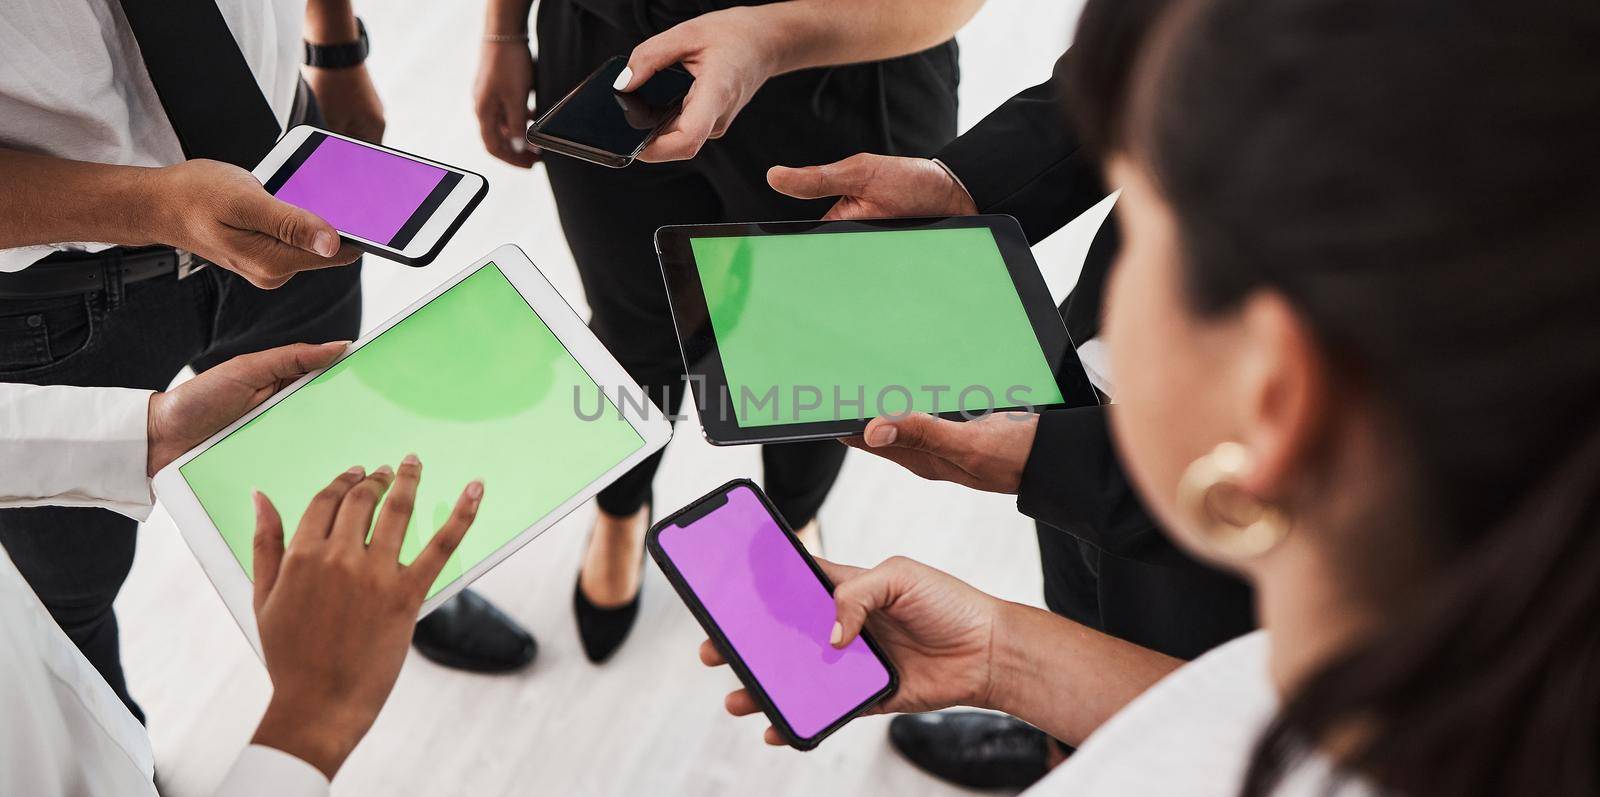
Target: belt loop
(111,276)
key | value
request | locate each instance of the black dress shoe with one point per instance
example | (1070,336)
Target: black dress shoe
(603,630)
(469,633)
(974,749)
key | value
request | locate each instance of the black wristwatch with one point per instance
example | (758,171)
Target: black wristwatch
(339,56)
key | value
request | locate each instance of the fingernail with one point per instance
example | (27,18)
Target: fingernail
(411,459)
(623,79)
(256,498)
(475,489)
(837,636)
(325,244)
(340,343)
(383,470)
(356,471)
(519,146)
(882,436)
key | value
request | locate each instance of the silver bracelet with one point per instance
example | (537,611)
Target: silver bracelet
(505,38)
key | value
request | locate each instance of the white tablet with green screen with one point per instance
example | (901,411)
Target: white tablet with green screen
(491,376)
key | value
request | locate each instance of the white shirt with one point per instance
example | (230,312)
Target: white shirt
(72,85)
(1192,734)
(67,733)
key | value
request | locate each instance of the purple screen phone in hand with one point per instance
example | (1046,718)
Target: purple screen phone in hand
(361,190)
(771,611)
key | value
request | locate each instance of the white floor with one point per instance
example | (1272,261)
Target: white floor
(652,719)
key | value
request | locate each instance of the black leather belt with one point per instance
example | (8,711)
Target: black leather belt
(69,273)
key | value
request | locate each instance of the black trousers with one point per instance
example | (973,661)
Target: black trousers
(141,336)
(906,106)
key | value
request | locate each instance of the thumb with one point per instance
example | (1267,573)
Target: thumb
(865,593)
(297,227)
(849,177)
(272,367)
(268,548)
(918,432)
(651,56)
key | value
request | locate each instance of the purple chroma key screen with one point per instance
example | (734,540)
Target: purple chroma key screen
(361,191)
(774,611)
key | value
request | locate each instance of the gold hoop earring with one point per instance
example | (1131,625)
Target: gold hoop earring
(1232,523)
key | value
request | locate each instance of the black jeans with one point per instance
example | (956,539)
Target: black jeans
(141,336)
(906,106)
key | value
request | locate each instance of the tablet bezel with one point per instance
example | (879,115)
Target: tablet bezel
(703,360)
(234,585)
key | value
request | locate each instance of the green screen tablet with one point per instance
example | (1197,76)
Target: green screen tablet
(809,329)
(476,383)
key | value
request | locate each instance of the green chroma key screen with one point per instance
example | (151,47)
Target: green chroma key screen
(473,382)
(903,320)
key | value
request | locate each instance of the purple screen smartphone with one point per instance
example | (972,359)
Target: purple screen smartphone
(770,610)
(362,191)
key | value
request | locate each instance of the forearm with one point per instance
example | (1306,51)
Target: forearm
(507,17)
(46,200)
(331,22)
(814,33)
(1064,678)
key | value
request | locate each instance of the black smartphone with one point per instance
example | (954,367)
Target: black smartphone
(599,124)
(769,609)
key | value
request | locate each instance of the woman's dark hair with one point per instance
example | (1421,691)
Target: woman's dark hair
(1421,179)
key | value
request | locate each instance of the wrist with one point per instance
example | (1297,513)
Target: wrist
(319,738)
(769,34)
(136,205)
(508,18)
(956,191)
(1010,668)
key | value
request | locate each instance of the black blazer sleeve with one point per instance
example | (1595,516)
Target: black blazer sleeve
(1024,159)
(1074,482)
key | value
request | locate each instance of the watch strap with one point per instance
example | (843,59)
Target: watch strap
(340,56)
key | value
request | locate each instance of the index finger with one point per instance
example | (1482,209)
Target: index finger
(428,564)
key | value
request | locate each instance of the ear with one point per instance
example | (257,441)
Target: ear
(1286,402)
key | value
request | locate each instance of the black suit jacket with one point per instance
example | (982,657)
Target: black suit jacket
(1024,160)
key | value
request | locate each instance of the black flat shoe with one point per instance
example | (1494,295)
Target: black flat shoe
(469,633)
(974,749)
(603,630)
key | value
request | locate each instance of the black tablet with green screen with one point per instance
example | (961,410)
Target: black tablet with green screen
(806,330)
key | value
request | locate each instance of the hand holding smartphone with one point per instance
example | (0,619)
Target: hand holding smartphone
(381,200)
(769,609)
(599,124)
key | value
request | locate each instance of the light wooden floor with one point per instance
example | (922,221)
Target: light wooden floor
(651,721)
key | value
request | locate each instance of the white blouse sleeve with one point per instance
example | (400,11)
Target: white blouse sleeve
(75,446)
